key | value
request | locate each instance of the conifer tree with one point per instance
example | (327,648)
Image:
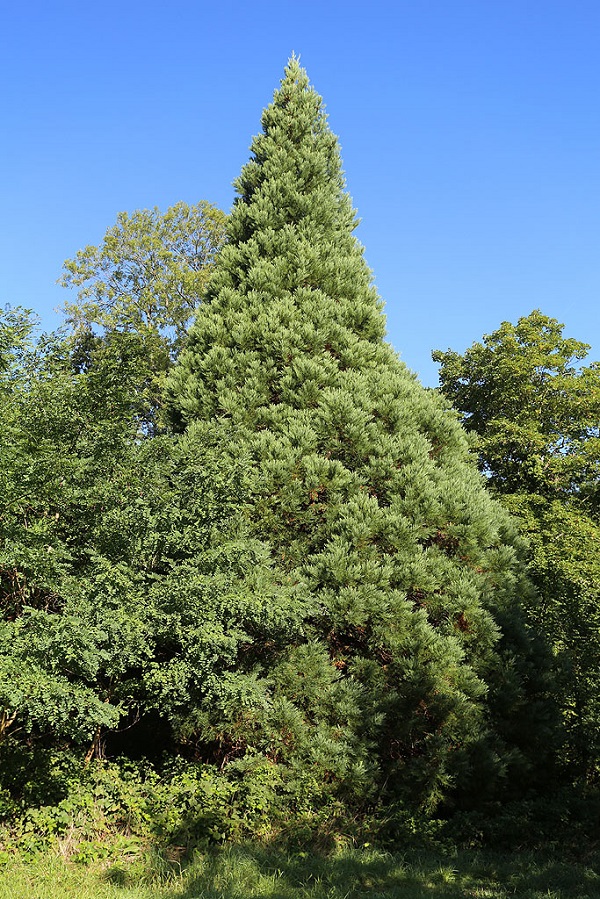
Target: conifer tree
(402,675)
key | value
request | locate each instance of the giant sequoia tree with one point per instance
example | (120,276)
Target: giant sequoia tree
(410,670)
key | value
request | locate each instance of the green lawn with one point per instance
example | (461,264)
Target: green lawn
(261,874)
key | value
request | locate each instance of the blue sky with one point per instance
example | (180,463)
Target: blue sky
(470,136)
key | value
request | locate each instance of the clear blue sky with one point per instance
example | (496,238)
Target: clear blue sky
(470,135)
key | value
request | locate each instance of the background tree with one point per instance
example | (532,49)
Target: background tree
(148,273)
(535,411)
(145,278)
(405,678)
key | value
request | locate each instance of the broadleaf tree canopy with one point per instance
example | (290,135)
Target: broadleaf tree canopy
(535,411)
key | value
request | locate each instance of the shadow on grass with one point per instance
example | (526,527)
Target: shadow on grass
(255,873)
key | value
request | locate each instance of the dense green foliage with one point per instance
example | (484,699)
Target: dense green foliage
(290,608)
(365,493)
(129,585)
(536,411)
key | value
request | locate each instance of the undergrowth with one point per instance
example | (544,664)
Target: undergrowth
(133,831)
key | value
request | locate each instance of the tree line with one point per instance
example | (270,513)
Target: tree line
(239,540)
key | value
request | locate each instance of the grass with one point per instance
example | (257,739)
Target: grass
(254,873)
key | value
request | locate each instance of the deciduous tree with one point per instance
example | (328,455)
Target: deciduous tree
(148,273)
(145,279)
(535,411)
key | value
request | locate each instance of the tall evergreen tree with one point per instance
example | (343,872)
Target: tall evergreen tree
(402,672)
